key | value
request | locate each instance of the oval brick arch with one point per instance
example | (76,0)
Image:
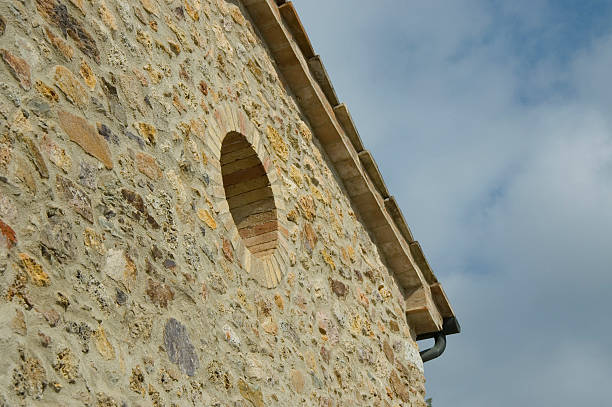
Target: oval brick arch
(247,194)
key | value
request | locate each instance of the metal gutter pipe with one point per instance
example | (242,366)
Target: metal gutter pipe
(450,326)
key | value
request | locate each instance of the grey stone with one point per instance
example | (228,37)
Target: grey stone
(179,347)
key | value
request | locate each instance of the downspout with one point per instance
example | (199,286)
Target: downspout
(450,326)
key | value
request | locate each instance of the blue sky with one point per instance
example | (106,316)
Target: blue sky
(491,123)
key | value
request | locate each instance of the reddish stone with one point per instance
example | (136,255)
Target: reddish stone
(159,293)
(339,288)
(8,233)
(227,250)
(148,166)
(18,67)
(203,88)
(310,237)
(86,136)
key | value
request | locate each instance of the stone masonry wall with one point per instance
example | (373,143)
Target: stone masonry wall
(123,278)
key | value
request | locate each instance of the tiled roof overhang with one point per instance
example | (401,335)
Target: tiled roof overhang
(304,73)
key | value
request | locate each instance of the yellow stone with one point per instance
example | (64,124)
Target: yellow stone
(278,143)
(237,15)
(147,131)
(296,175)
(88,75)
(34,270)
(150,7)
(107,17)
(71,86)
(105,348)
(255,396)
(193,13)
(207,218)
(328,259)
(278,299)
(46,91)
(304,131)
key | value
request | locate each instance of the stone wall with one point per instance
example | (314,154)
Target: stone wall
(124,279)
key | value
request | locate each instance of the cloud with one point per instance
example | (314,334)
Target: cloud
(491,123)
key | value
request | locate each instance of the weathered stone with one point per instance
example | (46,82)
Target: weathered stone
(120,267)
(159,293)
(24,172)
(150,7)
(61,45)
(84,134)
(393,326)
(35,271)
(137,380)
(388,351)
(37,158)
(51,316)
(254,395)
(75,196)
(9,234)
(179,347)
(237,15)
(148,166)
(297,381)
(116,107)
(107,16)
(45,340)
(339,288)
(120,297)
(87,75)
(2,25)
(203,88)
(57,237)
(104,347)
(30,378)
(79,4)
(307,206)
(56,154)
(18,67)
(18,323)
(55,13)
(94,240)
(228,252)
(63,300)
(67,365)
(71,86)
(398,386)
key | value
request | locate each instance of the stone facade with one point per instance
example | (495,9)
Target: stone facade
(137,266)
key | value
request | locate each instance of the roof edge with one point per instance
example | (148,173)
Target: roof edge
(280,26)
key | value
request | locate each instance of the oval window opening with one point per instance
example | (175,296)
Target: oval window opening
(249,195)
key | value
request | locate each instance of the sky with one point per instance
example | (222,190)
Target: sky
(491,123)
